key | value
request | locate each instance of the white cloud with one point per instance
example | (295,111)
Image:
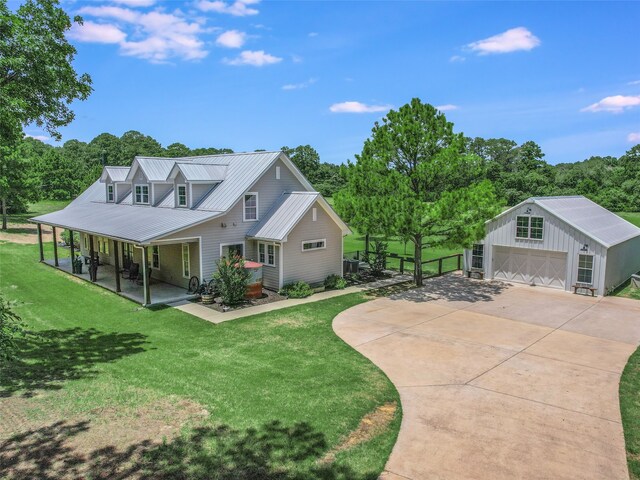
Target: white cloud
(238,8)
(42,138)
(614,104)
(313,34)
(357,107)
(512,40)
(298,86)
(633,137)
(97,33)
(447,108)
(231,39)
(155,36)
(635,82)
(457,59)
(135,3)
(254,58)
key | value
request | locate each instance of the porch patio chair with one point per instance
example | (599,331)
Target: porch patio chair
(140,281)
(126,266)
(134,270)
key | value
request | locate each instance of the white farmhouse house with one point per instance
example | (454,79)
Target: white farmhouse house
(558,242)
(176,217)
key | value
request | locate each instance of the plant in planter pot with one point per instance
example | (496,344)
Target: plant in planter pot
(208,294)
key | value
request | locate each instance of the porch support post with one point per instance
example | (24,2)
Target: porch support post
(116,259)
(73,248)
(55,248)
(40,242)
(92,254)
(145,277)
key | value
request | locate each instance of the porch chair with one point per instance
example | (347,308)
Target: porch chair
(140,281)
(134,270)
(126,266)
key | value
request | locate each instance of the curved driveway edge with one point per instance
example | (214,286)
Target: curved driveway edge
(499,381)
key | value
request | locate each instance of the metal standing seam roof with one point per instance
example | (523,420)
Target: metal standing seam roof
(201,172)
(117,174)
(91,212)
(284,216)
(588,217)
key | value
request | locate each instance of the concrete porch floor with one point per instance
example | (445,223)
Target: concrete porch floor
(161,293)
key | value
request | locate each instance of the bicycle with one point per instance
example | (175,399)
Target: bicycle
(195,287)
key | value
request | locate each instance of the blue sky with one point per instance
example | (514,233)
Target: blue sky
(248,74)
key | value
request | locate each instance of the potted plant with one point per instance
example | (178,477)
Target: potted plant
(208,294)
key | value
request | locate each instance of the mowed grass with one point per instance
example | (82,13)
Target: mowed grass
(633,217)
(630,411)
(38,208)
(281,388)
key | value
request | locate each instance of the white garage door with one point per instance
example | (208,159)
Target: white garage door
(523,265)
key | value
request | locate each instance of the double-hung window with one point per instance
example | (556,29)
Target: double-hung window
(319,244)
(477,256)
(529,227)
(267,254)
(110,193)
(182,195)
(250,213)
(142,194)
(585,269)
(155,257)
(185,260)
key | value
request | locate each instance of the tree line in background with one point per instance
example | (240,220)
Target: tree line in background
(516,171)
(44,172)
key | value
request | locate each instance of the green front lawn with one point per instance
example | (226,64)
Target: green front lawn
(630,411)
(39,208)
(262,397)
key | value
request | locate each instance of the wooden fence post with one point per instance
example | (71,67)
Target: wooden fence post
(439,266)
(401,265)
(459,258)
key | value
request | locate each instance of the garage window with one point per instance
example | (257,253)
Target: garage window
(477,256)
(530,227)
(585,269)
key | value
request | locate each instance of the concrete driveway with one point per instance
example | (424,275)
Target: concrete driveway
(500,381)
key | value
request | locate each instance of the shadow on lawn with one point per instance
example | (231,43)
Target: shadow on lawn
(270,452)
(48,358)
(454,288)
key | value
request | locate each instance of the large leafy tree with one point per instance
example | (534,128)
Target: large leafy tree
(414,180)
(37,80)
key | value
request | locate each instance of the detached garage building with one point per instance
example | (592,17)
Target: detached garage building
(558,242)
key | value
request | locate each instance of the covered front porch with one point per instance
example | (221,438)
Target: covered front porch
(163,293)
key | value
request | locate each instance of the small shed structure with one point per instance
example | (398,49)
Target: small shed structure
(558,242)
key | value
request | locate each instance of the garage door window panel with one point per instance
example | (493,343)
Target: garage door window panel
(585,269)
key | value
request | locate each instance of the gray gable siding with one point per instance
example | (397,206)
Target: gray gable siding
(558,236)
(315,265)
(159,191)
(199,190)
(121,191)
(623,260)
(213,233)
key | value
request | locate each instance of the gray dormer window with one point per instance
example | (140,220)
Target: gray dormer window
(109,193)
(142,194)
(182,195)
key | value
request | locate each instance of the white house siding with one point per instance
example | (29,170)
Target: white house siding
(160,190)
(199,190)
(623,260)
(313,266)
(213,233)
(558,237)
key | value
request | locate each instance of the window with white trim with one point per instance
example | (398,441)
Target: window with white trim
(477,256)
(155,257)
(231,250)
(109,193)
(529,227)
(267,254)
(318,244)
(182,195)
(142,194)
(585,269)
(250,212)
(186,267)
